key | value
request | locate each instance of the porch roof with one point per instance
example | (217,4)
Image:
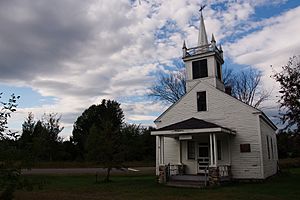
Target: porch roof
(192,125)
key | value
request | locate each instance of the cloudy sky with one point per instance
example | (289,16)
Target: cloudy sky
(62,56)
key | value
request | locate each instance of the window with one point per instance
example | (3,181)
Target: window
(199,69)
(201,101)
(219,148)
(272,150)
(203,150)
(191,149)
(218,71)
(244,148)
(268,147)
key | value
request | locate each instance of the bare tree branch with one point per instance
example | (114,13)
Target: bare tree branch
(169,88)
(246,86)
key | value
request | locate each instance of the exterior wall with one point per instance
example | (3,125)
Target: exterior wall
(228,112)
(270,164)
(171,151)
(170,148)
(225,157)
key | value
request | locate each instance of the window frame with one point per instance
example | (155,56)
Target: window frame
(245,148)
(268,147)
(219,150)
(191,146)
(219,71)
(201,107)
(202,69)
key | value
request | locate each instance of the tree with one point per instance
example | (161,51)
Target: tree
(40,139)
(245,85)
(288,143)
(169,88)
(289,80)
(5,112)
(81,128)
(105,140)
(10,171)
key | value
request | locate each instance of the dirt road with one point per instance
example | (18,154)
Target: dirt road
(136,170)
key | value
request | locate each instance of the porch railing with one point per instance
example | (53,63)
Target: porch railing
(224,170)
(173,170)
(200,49)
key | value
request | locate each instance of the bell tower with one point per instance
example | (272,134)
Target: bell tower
(204,62)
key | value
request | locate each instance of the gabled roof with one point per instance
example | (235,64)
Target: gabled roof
(233,98)
(191,123)
(255,110)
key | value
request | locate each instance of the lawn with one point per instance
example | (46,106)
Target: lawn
(283,186)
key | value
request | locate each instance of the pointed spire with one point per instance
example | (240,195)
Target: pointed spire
(213,39)
(221,51)
(220,48)
(184,49)
(202,37)
(184,46)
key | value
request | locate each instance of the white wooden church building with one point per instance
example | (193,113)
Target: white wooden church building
(210,133)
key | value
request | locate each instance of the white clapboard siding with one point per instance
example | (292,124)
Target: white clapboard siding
(228,112)
(171,151)
(270,165)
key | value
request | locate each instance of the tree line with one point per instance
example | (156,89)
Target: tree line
(41,141)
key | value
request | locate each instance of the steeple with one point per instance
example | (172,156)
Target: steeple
(213,40)
(202,37)
(204,62)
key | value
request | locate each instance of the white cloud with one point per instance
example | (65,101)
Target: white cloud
(82,51)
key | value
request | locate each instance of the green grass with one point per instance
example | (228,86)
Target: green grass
(283,186)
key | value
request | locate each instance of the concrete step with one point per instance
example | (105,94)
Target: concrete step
(199,178)
(186,184)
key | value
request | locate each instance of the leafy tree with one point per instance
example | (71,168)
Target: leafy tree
(82,127)
(40,139)
(26,139)
(5,112)
(289,79)
(10,171)
(104,142)
(138,142)
(288,143)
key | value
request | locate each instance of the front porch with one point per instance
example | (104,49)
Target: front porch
(174,175)
(195,156)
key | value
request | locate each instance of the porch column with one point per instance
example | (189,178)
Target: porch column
(229,149)
(161,150)
(180,152)
(211,149)
(215,149)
